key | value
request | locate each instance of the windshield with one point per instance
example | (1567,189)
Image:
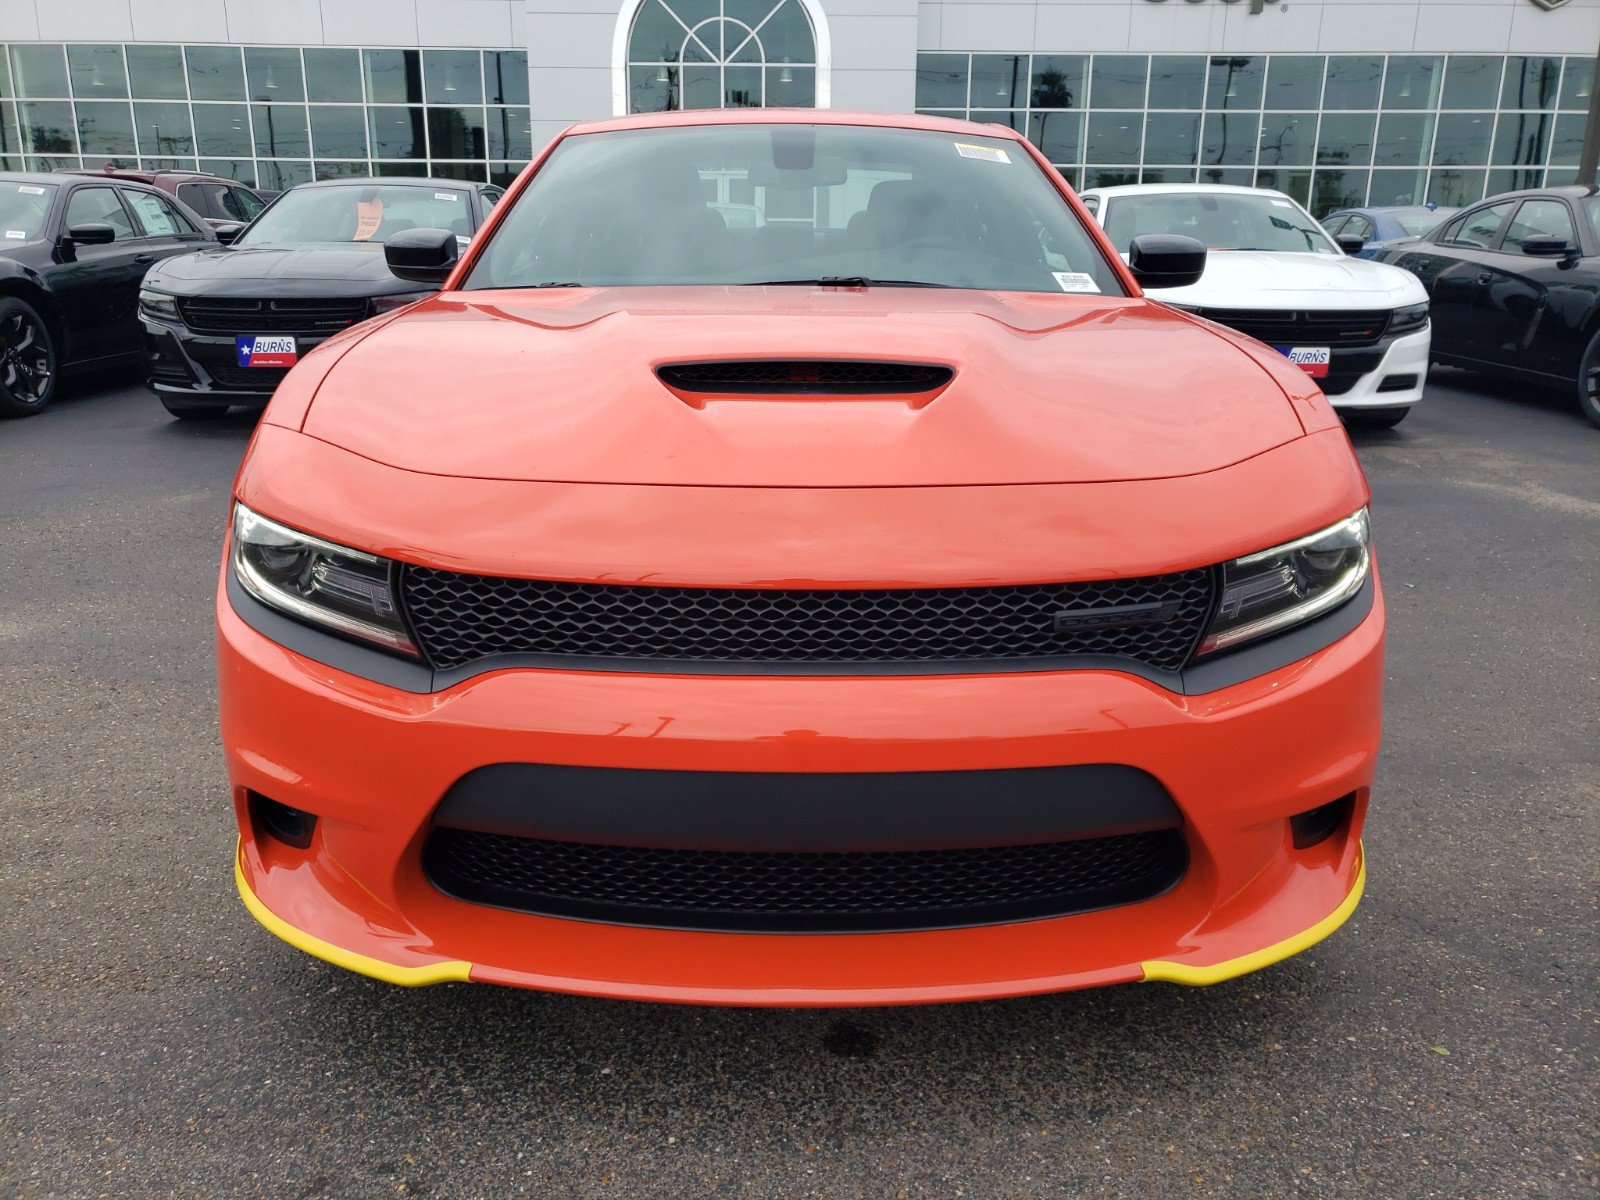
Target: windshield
(23,208)
(357,212)
(1418,223)
(1222,220)
(777,204)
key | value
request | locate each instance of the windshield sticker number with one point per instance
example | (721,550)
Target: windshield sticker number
(982,153)
(27,189)
(1076,281)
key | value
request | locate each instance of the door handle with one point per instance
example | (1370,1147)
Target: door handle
(144,258)
(1485,277)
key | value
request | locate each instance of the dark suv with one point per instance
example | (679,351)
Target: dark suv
(220,201)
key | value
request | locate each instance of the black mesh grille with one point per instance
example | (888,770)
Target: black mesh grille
(1354,328)
(459,619)
(311,317)
(222,365)
(805,376)
(819,891)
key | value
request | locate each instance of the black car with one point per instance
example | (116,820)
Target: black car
(1514,288)
(72,252)
(222,327)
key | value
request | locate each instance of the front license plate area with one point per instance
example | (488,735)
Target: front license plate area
(260,350)
(1313,360)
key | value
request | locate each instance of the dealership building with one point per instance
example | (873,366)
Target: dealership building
(1335,101)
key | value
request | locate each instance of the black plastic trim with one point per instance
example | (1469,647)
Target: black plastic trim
(1210,675)
(806,811)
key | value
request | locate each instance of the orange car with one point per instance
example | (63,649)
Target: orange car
(790,563)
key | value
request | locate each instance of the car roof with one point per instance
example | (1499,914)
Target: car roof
(794,116)
(1569,191)
(139,176)
(31,177)
(1176,189)
(390,180)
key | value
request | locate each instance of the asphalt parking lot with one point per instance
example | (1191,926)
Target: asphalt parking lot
(157,1042)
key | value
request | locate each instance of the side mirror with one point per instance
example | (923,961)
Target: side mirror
(1166,260)
(1351,243)
(228,234)
(422,255)
(1546,245)
(91,235)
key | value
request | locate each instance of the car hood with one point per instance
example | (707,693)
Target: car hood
(560,386)
(1279,279)
(342,270)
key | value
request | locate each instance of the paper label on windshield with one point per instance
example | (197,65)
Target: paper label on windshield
(17,235)
(983,153)
(453,197)
(1076,281)
(1283,204)
(369,215)
(28,189)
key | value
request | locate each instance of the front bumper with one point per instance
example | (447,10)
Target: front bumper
(202,368)
(1396,381)
(373,763)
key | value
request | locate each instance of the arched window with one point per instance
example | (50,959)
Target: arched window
(673,54)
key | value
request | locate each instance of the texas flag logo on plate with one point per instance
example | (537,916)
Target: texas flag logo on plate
(260,351)
(1313,360)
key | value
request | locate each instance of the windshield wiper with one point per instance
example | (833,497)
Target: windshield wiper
(860,281)
(552,284)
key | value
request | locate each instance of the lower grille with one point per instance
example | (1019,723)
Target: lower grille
(802,892)
(311,317)
(234,378)
(459,619)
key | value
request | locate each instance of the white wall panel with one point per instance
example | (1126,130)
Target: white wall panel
(464,22)
(102,20)
(370,22)
(179,20)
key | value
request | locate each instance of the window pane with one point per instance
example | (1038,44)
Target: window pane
(1097,177)
(1513,179)
(1230,139)
(1171,137)
(47,127)
(1346,138)
(652,89)
(510,134)
(1166,175)
(1398,187)
(1059,135)
(97,72)
(1287,139)
(1294,81)
(1530,82)
(10,132)
(1233,176)
(1472,81)
(1059,80)
(702,87)
(332,76)
(1337,189)
(941,81)
(39,71)
(451,76)
(105,128)
(163,129)
(456,133)
(1539,218)
(1235,82)
(156,216)
(276,176)
(241,169)
(156,72)
(215,72)
(393,76)
(1352,81)
(274,73)
(792,87)
(1455,188)
(1463,138)
(222,129)
(1404,139)
(1176,81)
(1576,82)
(339,132)
(396,132)
(1521,138)
(342,170)
(99,206)
(1413,81)
(504,174)
(1567,143)
(1114,137)
(505,73)
(457,170)
(1011,119)
(280,130)
(1292,183)
(1118,81)
(999,80)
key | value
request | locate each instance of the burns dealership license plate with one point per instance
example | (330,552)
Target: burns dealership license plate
(1313,360)
(259,350)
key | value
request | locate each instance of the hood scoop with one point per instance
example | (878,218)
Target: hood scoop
(696,382)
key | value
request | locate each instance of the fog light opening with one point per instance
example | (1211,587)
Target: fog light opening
(288,825)
(1318,824)
(1397,383)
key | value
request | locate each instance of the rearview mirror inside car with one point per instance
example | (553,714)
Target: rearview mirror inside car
(92,234)
(1351,243)
(422,255)
(1166,260)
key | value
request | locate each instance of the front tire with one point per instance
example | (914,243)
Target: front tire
(194,412)
(1589,382)
(27,360)
(1375,418)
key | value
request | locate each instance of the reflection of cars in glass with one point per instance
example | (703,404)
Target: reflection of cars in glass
(1359,328)
(1514,283)
(220,201)
(72,252)
(887,606)
(224,326)
(1379,228)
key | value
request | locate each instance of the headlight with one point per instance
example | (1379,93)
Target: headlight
(1273,590)
(383,304)
(158,305)
(348,591)
(1409,319)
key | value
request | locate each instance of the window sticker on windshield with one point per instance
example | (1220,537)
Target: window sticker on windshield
(453,197)
(369,215)
(986,153)
(1283,204)
(17,235)
(27,189)
(1076,281)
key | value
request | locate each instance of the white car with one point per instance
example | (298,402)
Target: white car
(1359,327)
